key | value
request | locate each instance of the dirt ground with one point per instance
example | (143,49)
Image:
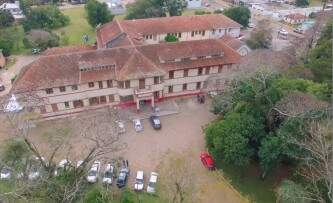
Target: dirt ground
(180,133)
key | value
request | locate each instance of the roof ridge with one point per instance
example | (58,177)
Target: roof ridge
(122,31)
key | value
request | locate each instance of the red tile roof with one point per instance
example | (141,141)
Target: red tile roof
(130,63)
(139,27)
(296,16)
(232,42)
(67,49)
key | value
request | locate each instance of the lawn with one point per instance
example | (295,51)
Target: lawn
(77,27)
(248,182)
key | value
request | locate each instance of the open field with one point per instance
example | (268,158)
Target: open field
(77,27)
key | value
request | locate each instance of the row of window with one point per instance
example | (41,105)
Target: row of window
(92,101)
(176,34)
(184,88)
(200,71)
(109,84)
(198,32)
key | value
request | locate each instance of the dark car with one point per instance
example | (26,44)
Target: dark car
(155,122)
(207,160)
(122,178)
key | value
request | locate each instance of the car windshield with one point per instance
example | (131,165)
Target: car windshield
(140,181)
(157,121)
(151,184)
(108,174)
(92,173)
(5,171)
(121,176)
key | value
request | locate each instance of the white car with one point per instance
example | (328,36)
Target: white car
(5,173)
(63,164)
(93,172)
(151,188)
(108,174)
(251,25)
(137,125)
(139,181)
(79,163)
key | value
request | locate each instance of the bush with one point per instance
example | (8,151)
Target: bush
(40,39)
(200,12)
(6,18)
(171,38)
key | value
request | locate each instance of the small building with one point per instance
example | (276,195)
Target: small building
(236,45)
(14,9)
(193,3)
(295,18)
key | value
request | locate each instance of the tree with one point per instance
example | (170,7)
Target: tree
(6,18)
(290,192)
(40,39)
(170,38)
(155,8)
(240,14)
(45,17)
(261,37)
(302,3)
(6,41)
(97,13)
(177,178)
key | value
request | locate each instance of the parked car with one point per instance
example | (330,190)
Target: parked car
(121,126)
(139,182)
(5,173)
(79,163)
(108,174)
(36,51)
(298,30)
(122,178)
(155,122)
(62,166)
(207,160)
(283,34)
(137,125)
(251,25)
(2,87)
(151,188)
(93,172)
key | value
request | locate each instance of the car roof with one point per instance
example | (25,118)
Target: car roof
(153,177)
(139,175)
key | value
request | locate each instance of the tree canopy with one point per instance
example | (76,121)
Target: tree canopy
(97,13)
(6,18)
(45,17)
(240,14)
(261,37)
(302,3)
(155,8)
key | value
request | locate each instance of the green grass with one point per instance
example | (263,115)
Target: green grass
(77,27)
(248,182)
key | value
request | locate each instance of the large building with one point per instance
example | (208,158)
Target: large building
(131,63)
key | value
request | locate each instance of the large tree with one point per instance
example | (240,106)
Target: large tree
(6,18)
(155,8)
(240,14)
(261,37)
(45,17)
(97,13)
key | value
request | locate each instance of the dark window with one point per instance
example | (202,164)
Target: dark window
(127,84)
(179,35)
(91,84)
(66,104)
(171,74)
(185,73)
(184,87)
(102,99)
(126,98)
(203,33)
(142,83)
(62,89)
(54,107)
(109,83)
(74,87)
(170,89)
(220,69)
(198,85)
(121,84)
(78,104)
(93,101)
(199,71)
(49,91)
(156,80)
(207,70)
(111,98)
(192,33)
(100,84)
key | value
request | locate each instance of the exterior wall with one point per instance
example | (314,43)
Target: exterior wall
(193,3)
(63,102)
(197,35)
